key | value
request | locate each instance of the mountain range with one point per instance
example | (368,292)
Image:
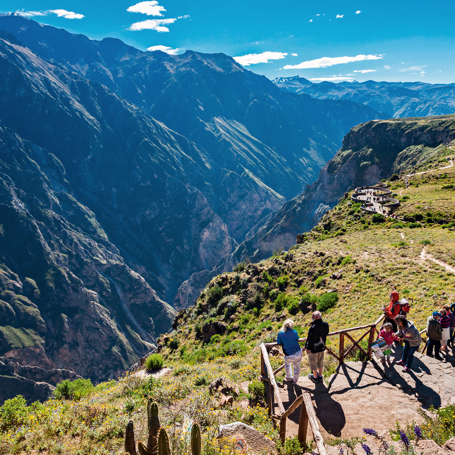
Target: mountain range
(396,99)
(127,180)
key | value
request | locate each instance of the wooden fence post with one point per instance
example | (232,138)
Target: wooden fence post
(341,348)
(370,340)
(283,429)
(303,424)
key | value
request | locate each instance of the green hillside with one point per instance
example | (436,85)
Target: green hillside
(346,266)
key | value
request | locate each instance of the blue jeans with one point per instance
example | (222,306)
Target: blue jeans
(408,353)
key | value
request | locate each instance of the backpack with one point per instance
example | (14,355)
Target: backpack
(396,308)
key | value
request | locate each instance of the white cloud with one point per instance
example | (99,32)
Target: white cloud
(32,13)
(364,71)
(294,55)
(414,68)
(265,57)
(317,14)
(152,24)
(358,11)
(66,14)
(339,16)
(150,8)
(166,49)
(332,79)
(387,67)
(325,62)
(311,20)
(186,16)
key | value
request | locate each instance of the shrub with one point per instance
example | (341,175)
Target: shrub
(414,225)
(425,242)
(418,217)
(346,260)
(309,299)
(318,280)
(303,290)
(13,413)
(292,446)
(201,380)
(214,294)
(282,282)
(281,301)
(266,276)
(256,302)
(173,344)
(256,389)
(378,218)
(73,390)
(233,348)
(154,362)
(293,305)
(240,267)
(394,177)
(215,339)
(327,300)
(274,294)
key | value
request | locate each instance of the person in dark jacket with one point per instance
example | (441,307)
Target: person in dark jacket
(434,334)
(315,346)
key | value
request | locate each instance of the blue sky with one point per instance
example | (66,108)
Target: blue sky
(399,40)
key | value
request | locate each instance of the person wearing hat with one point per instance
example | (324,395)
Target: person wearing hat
(434,334)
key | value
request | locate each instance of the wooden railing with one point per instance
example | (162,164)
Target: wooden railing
(307,413)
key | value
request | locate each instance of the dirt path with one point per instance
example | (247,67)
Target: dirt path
(424,256)
(154,374)
(432,170)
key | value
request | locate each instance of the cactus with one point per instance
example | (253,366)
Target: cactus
(130,446)
(153,422)
(163,443)
(196,440)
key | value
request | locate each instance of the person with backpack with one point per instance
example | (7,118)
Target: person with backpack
(315,346)
(394,308)
(288,338)
(408,333)
(434,334)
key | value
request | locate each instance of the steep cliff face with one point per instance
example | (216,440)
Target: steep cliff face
(371,151)
(68,300)
(396,99)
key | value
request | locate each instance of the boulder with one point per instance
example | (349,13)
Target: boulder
(450,445)
(213,328)
(429,447)
(225,387)
(255,442)
(225,400)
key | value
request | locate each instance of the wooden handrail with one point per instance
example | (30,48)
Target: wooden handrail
(272,379)
(317,437)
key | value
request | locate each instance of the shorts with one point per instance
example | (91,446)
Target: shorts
(316,360)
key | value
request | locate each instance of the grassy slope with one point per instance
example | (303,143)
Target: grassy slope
(373,259)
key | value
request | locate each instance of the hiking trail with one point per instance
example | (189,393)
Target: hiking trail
(425,256)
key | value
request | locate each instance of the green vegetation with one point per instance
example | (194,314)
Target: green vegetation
(73,390)
(327,301)
(154,362)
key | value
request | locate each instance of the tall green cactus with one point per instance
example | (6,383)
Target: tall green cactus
(163,443)
(153,422)
(130,446)
(196,440)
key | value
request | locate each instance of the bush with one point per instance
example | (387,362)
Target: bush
(214,294)
(13,413)
(282,282)
(274,294)
(154,362)
(293,305)
(425,242)
(173,344)
(281,301)
(73,390)
(215,339)
(327,300)
(394,177)
(267,277)
(309,299)
(233,348)
(256,302)
(318,280)
(240,267)
(418,217)
(292,446)
(256,389)
(378,218)
(346,260)
(414,225)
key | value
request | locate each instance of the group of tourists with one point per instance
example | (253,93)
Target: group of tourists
(395,329)
(288,338)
